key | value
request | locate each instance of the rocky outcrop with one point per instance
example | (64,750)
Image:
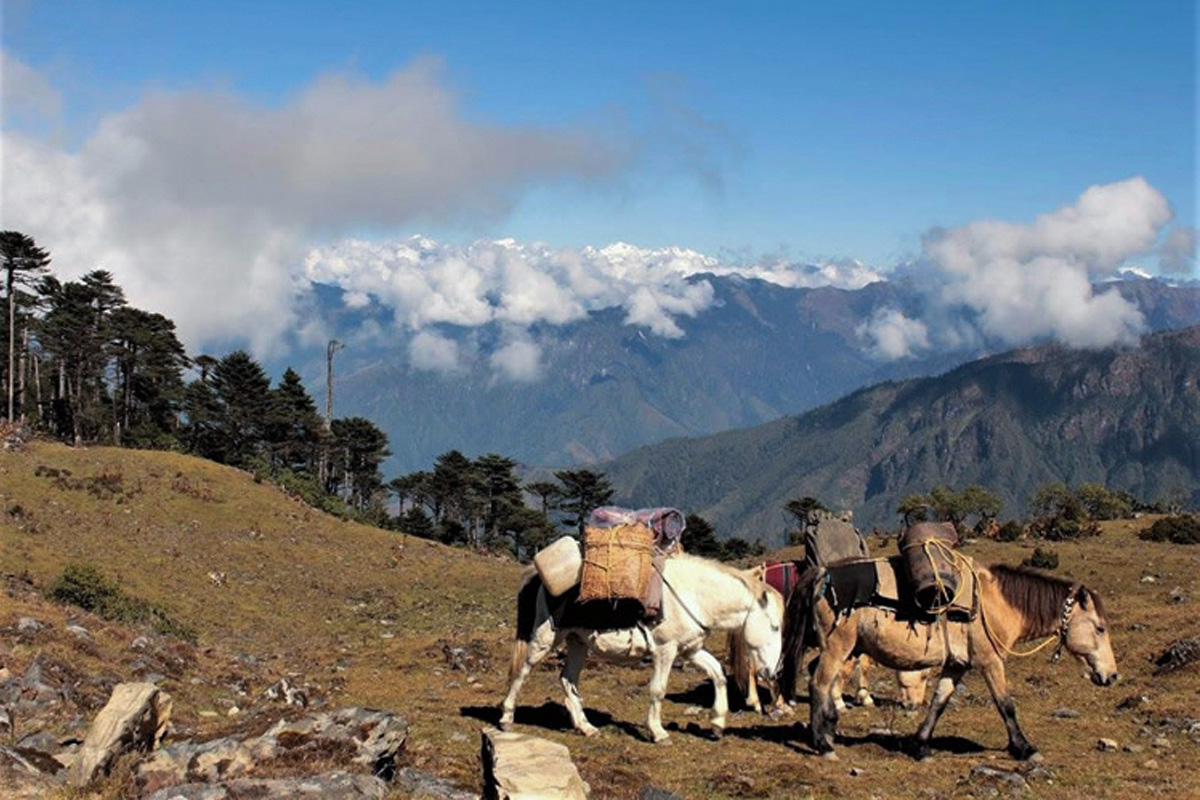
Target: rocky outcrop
(521,767)
(329,786)
(135,719)
(371,739)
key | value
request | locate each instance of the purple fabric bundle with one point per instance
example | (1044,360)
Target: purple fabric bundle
(667,523)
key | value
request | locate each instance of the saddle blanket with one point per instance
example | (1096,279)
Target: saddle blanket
(782,577)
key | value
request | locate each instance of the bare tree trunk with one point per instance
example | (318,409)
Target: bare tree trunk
(21,367)
(12,341)
(37,386)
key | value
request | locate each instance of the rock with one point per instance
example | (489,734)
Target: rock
(1180,654)
(857,772)
(1133,748)
(375,737)
(140,643)
(517,766)
(1014,780)
(1161,742)
(27,626)
(413,783)
(79,631)
(1106,745)
(1133,701)
(38,741)
(693,711)
(21,778)
(5,721)
(329,786)
(1064,713)
(654,793)
(1150,763)
(283,691)
(1147,579)
(135,717)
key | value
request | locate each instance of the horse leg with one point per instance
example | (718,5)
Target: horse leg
(577,650)
(947,683)
(839,686)
(823,712)
(862,694)
(709,663)
(526,656)
(752,700)
(664,656)
(1018,745)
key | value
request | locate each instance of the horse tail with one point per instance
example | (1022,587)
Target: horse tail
(799,630)
(527,596)
(739,661)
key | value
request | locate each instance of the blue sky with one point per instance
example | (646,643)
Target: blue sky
(189,146)
(833,129)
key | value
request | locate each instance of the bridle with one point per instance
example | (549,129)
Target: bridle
(1065,619)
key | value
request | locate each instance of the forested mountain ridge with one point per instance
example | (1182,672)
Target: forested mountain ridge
(1123,417)
(603,387)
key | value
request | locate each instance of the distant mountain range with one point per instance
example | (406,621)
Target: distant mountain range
(1123,417)
(759,352)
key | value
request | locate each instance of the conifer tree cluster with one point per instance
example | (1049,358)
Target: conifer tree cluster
(81,364)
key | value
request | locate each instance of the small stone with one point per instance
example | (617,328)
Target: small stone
(1133,748)
(140,643)
(1064,713)
(856,772)
(233,711)
(1150,763)
(459,736)
(29,625)
(79,631)
(208,714)
(693,711)
(1106,745)
(1161,742)
(1147,579)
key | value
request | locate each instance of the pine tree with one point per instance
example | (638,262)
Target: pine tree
(361,448)
(583,492)
(243,391)
(294,427)
(23,262)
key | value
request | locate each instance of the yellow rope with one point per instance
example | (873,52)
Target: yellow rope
(959,559)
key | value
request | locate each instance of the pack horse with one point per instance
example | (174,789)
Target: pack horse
(1012,605)
(699,597)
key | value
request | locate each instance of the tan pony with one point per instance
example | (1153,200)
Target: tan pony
(1014,605)
(700,596)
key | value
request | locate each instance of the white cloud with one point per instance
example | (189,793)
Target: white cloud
(203,204)
(1024,282)
(893,335)
(518,360)
(1178,255)
(27,93)
(430,351)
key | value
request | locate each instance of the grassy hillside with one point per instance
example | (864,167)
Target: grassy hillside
(311,596)
(1121,417)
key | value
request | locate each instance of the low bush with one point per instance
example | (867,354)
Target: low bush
(1177,529)
(83,585)
(1042,559)
(1010,531)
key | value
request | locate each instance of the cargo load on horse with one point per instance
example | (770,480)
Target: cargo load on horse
(618,568)
(930,564)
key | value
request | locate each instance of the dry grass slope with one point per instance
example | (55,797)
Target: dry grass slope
(373,618)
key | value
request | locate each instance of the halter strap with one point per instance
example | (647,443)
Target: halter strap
(1065,619)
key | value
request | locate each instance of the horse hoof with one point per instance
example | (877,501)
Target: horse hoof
(663,740)
(589,732)
(1036,758)
(506,726)
(868,702)
(831,755)
(718,733)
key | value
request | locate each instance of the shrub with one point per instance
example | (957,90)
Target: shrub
(83,585)
(1010,531)
(1042,559)
(1178,529)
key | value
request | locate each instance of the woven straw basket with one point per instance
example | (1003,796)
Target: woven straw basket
(616,562)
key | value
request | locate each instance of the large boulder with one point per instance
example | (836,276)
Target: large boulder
(517,766)
(135,718)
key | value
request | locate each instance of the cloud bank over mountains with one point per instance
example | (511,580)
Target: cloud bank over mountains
(220,212)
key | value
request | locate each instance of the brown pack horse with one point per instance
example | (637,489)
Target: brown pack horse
(1015,604)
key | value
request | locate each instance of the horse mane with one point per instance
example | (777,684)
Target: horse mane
(1038,597)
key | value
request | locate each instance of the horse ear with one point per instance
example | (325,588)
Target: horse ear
(1085,598)
(764,599)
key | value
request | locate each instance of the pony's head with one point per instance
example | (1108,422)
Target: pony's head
(762,633)
(1085,636)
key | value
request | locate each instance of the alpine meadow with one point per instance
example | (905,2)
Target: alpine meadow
(599,402)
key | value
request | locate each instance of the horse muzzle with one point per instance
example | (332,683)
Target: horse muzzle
(1105,680)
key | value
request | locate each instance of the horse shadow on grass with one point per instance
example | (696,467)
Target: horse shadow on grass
(549,716)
